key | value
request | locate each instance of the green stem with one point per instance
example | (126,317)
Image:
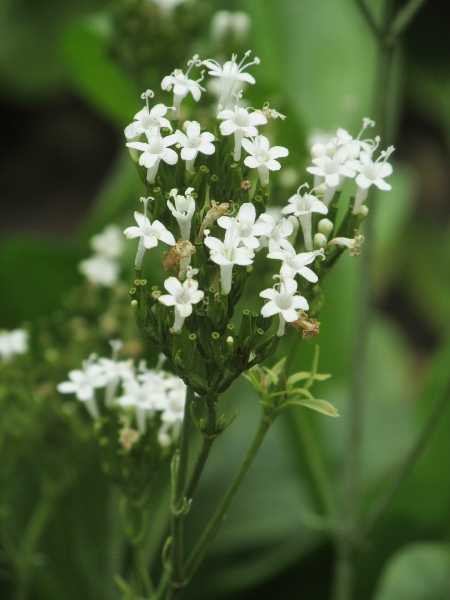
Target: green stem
(405,15)
(220,514)
(408,463)
(178,494)
(208,441)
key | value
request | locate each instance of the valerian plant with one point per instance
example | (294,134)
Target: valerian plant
(207,205)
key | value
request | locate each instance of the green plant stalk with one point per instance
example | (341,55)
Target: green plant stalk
(178,495)
(349,535)
(408,464)
(220,514)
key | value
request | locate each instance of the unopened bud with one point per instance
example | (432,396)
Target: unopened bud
(320,241)
(186,125)
(325,227)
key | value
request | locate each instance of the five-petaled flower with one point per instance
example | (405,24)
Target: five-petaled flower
(283,301)
(182,296)
(193,142)
(262,156)
(302,207)
(182,85)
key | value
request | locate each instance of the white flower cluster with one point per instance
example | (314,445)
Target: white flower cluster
(244,233)
(147,392)
(343,157)
(103,268)
(13,342)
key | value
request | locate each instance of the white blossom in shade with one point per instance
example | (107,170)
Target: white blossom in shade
(115,371)
(230,75)
(245,225)
(332,170)
(283,301)
(167,6)
(228,253)
(172,407)
(109,242)
(273,234)
(241,122)
(302,206)
(353,244)
(140,395)
(295,264)
(83,383)
(155,150)
(13,342)
(193,142)
(262,157)
(371,173)
(225,24)
(182,296)
(182,85)
(148,233)
(100,270)
(183,210)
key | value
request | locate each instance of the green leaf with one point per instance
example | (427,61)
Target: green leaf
(321,406)
(95,74)
(125,588)
(35,273)
(417,572)
(301,375)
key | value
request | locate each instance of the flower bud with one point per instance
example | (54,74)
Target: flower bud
(325,227)
(320,241)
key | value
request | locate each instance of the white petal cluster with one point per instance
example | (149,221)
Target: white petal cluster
(183,210)
(13,342)
(146,392)
(155,150)
(302,206)
(103,267)
(182,85)
(283,301)
(193,142)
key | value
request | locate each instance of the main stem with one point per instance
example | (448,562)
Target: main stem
(220,514)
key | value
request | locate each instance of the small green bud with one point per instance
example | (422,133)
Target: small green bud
(325,227)
(320,241)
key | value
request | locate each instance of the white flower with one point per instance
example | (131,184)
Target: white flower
(371,173)
(140,395)
(181,85)
(332,170)
(193,142)
(83,383)
(148,233)
(240,122)
(302,207)
(182,296)
(228,253)
(146,120)
(354,146)
(244,222)
(100,270)
(183,210)
(109,242)
(230,74)
(155,150)
(294,264)
(262,157)
(273,234)
(13,342)
(283,301)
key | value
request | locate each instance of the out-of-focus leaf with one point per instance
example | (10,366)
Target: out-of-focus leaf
(417,572)
(34,275)
(430,90)
(96,75)
(321,406)
(30,61)
(313,51)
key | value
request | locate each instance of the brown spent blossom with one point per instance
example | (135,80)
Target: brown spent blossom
(310,326)
(182,251)
(128,437)
(215,212)
(246,185)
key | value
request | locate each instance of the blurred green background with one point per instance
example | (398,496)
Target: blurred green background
(68,88)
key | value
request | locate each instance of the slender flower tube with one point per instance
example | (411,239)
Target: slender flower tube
(371,173)
(182,296)
(183,210)
(302,207)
